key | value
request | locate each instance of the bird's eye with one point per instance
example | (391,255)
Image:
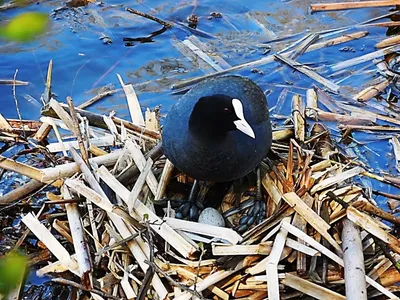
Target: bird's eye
(226,109)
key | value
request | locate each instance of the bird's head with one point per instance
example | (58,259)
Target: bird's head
(214,116)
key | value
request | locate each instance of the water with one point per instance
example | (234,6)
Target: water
(82,62)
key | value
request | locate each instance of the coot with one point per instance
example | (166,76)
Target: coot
(218,131)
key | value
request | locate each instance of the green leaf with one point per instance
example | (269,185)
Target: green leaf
(201,245)
(398,265)
(12,270)
(25,27)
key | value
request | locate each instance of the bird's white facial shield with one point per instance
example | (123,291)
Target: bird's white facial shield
(242,124)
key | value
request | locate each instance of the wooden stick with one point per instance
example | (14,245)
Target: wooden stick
(51,242)
(272,264)
(214,289)
(373,227)
(363,58)
(151,120)
(309,288)
(137,188)
(371,128)
(67,170)
(103,141)
(96,98)
(96,151)
(351,5)
(282,135)
(164,180)
(76,130)
(12,81)
(133,102)
(12,165)
(301,224)
(371,114)
(47,90)
(336,179)
(371,91)
(50,175)
(353,257)
(77,233)
(201,54)
(367,206)
(311,217)
(312,103)
(61,144)
(42,133)
(4,124)
(272,190)
(147,16)
(140,162)
(310,73)
(205,229)
(263,248)
(62,114)
(128,175)
(320,115)
(383,24)
(298,118)
(21,192)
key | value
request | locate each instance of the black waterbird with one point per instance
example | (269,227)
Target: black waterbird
(218,131)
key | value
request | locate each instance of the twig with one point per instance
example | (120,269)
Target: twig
(387,253)
(47,90)
(173,282)
(119,243)
(12,82)
(95,185)
(198,266)
(310,73)
(16,103)
(352,5)
(77,130)
(26,232)
(331,195)
(96,98)
(21,191)
(146,283)
(147,16)
(83,288)
(387,195)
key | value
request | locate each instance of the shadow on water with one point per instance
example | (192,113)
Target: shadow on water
(83,58)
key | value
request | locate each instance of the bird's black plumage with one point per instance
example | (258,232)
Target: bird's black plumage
(200,137)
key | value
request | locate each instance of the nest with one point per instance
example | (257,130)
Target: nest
(110,231)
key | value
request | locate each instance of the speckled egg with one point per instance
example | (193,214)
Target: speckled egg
(211,216)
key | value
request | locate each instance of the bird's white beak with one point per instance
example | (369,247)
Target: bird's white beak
(242,124)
